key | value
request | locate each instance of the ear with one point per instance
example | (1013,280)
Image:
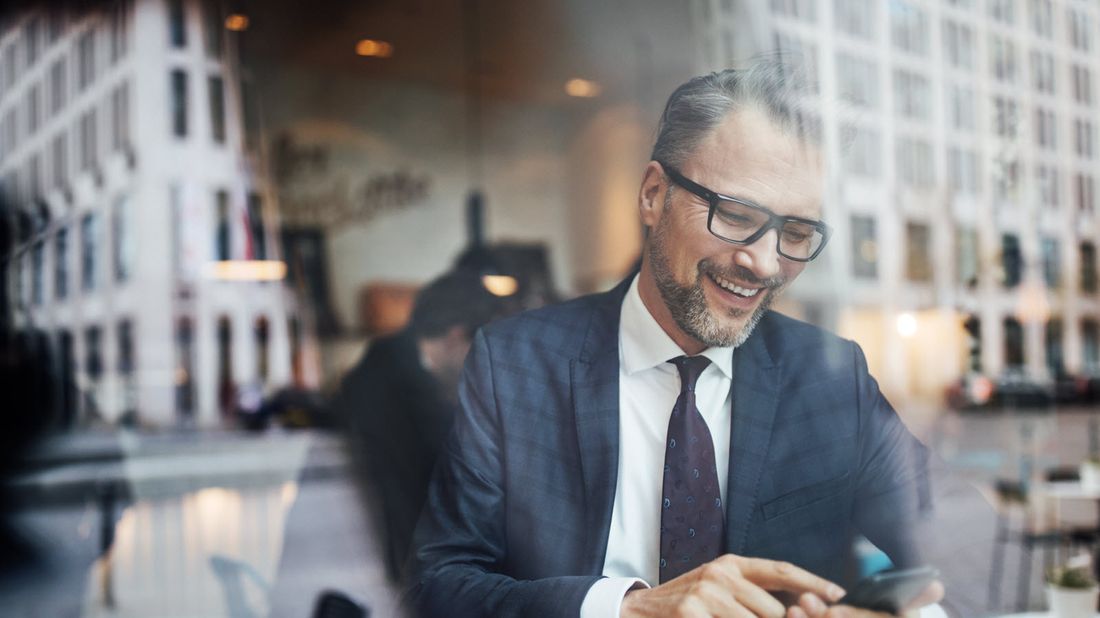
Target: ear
(651,195)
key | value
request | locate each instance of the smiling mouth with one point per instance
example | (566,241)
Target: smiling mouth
(730,286)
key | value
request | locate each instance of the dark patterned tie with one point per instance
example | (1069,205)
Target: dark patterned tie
(692,518)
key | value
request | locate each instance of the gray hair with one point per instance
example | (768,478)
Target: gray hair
(772,84)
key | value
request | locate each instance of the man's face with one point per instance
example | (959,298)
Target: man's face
(712,293)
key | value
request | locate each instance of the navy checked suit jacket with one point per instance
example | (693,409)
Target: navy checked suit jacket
(519,509)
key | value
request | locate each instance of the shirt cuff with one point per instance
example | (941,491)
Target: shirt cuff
(605,597)
(930,611)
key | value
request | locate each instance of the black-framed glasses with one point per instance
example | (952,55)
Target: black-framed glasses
(741,222)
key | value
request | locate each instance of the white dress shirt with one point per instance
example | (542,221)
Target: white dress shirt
(648,388)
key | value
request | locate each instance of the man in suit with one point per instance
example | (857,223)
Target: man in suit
(672,447)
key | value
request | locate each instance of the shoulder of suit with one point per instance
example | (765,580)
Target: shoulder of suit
(558,326)
(792,339)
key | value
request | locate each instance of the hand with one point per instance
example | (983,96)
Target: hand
(729,586)
(811,606)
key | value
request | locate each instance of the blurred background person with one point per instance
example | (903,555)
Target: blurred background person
(399,400)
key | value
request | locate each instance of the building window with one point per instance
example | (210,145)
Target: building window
(911,95)
(179,103)
(802,10)
(85,59)
(222,249)
(1083,138)
(1006,179)
(93,353)
(177,23)
(799,55)
(1042,72)
(213,27)
(120,117)
(88,147)
(61,264)
(1046,129)
(1003,59)
(1084,192)
(1082,84)
(1047,179)
(918,252)
(914,163)
(908,27)
(966,257)
(59,163)
(864,247)
(958,41)
(1003,11)
(123,250)
(125,348)
(1011,260)
(185,362)
(1052,271)
(1005,117)
(1056,361)
(263,349)
(57,86)
(963,171)
(1014,343)
(256,227)
(89,246)
(31,41)
(863,153)
(960,107)
(118,16)
(34,108)
(856,17)
(38,257)
(226,388)
(1042,18)
(857,80)
(1090,335)
(1079,29)
(217,109)
(1088,267)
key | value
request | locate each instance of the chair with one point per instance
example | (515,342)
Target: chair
(1014,503)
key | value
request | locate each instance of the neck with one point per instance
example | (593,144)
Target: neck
(651,298)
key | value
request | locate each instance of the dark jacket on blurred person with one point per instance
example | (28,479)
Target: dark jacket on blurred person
(399,401)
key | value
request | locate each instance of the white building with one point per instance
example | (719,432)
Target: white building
(968,185)
(123,143)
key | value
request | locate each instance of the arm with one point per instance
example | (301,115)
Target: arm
(461,534)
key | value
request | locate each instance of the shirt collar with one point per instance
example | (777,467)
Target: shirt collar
(643,344)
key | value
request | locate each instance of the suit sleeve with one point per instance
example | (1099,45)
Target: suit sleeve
(461,537)
(913,508)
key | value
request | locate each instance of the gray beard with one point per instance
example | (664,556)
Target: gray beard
(688,304)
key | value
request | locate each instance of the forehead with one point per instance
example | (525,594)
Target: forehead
(749,157)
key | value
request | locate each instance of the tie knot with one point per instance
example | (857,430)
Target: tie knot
(690,367)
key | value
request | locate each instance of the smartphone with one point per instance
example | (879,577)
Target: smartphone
(889,591)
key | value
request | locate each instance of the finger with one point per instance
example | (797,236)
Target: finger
(933,593)
(812,605)
(773,575)
(795,611)
(757,600)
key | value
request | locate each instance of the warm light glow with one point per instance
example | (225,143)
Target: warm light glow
(578,87)
(374,49)
(247,270)
(907,325)
(868,250)
(236,22)
(500,285)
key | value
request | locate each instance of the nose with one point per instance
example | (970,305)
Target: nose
(761,257)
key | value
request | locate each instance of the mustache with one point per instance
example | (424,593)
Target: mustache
(740,273)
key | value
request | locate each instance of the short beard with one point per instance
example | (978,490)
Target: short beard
(688,303)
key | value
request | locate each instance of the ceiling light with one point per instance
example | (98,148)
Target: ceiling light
(500,285)
(578,87)
(374,49)
(236,22)
(247,270)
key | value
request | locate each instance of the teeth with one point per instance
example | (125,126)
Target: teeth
(736,289)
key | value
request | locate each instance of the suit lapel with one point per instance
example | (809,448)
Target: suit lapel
(595,390)
(755,400)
